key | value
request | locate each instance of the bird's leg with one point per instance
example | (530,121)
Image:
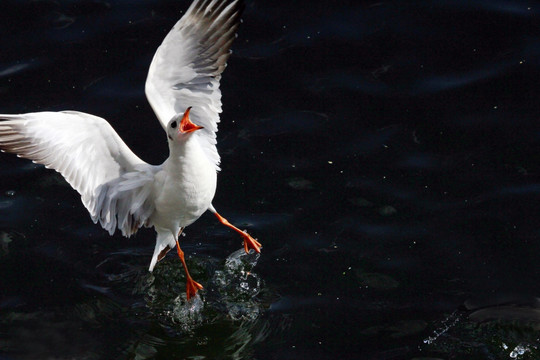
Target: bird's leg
(249,242)
(191,285)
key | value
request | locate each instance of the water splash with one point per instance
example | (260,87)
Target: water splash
(165,296)
(186,314)
(446,325)
(230,293)
(497,336)
(518,351)
(237,285)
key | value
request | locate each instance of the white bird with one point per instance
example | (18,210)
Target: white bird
(117,187)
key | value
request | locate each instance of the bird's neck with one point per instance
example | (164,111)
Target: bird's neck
(185,151)
(187,163)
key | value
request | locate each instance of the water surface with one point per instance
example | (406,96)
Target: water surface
(384,153)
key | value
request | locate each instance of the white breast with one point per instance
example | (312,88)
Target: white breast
(184,188)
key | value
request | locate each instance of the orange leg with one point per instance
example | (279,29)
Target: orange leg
(249,242)
(191,285)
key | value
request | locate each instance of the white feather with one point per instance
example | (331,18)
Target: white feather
(187,67)
(93,159)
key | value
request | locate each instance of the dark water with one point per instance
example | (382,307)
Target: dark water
(386,154)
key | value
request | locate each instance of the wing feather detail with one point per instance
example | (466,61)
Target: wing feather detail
(187,67)
(113,182)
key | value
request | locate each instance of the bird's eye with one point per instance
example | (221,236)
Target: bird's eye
(173,124)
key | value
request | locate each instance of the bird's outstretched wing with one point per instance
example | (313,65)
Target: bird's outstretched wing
(187,67)
(113,182)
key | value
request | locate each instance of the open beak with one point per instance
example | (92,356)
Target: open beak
(186,126)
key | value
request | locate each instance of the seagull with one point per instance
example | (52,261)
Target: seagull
(121,191)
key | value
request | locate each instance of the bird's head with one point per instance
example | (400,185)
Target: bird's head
(180,126)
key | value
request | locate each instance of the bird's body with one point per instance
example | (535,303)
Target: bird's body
(183,190)
(185,186)
(120,190)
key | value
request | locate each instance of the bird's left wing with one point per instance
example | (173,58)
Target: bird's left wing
(94,160)
(187,67)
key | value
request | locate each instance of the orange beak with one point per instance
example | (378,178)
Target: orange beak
(186,126)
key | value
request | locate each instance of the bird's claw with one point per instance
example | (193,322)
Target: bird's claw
(192,287)
(251,243)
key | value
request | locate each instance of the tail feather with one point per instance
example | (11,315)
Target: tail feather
(165,241)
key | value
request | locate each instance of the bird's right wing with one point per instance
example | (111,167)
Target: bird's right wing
(92,158)
(187,67)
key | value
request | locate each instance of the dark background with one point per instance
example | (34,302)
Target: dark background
(386,154)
